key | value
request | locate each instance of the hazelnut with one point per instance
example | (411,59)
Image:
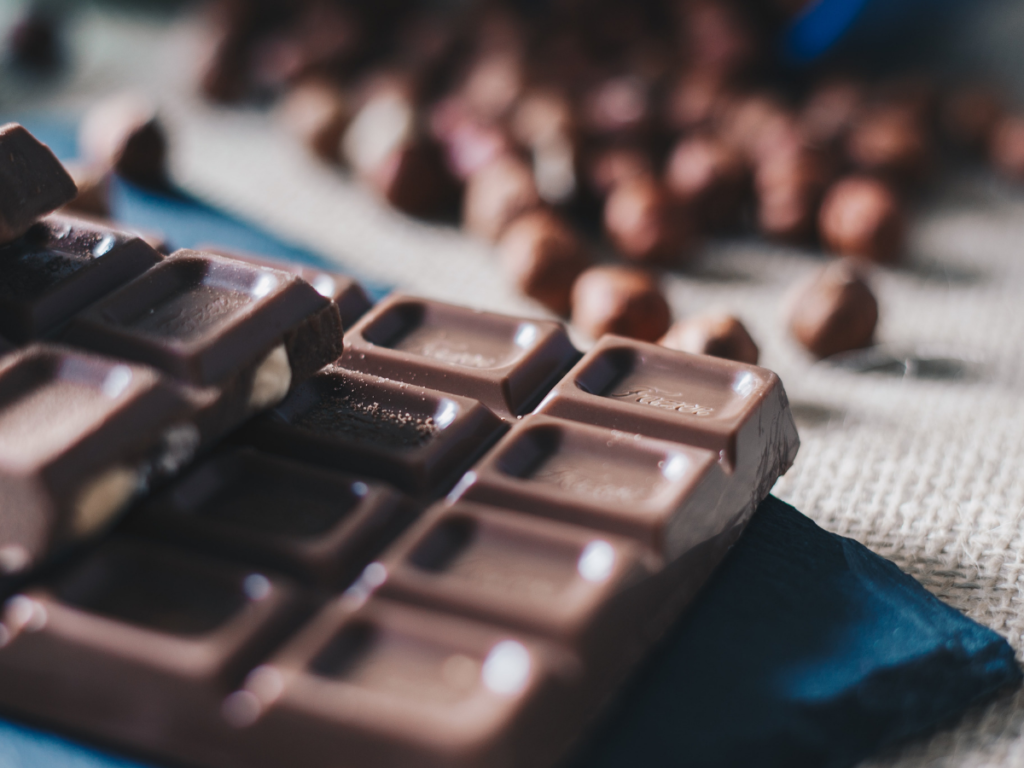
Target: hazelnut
(835,311)
(712,334)
(1006,149)
(317,114)
(496,194)
(124,134)
(891,141)
(709,177)
(646,225)
(862,218)
(970,115)
(622,300)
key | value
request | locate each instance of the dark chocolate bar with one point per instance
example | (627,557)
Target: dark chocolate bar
(32,182)
(349,295)
(738,410)
(417,439)
(80,437)
(319,526)
(58,267)
(505,362)
(140,644)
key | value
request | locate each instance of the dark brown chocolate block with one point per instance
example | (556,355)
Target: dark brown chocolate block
(316,525)
(418,439)
(140,644)
(390,685)
(202,318)
(59,267)
(569,584)
(668,496)
(350,296)
(32,182)
(505,362)
(738,410)
(80,437)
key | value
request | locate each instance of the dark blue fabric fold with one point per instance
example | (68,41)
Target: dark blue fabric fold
(805,649)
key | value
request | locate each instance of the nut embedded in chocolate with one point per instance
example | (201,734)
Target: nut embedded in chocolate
(316,113)
(621,300)
(497,194)
(124,134)
(646,225)
(835,311)
(32,182)
(715,334)
(710,177)
(861,217)
(543,257)
(1006,149)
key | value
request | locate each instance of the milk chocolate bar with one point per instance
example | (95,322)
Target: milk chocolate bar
(32,182)
(507,363)
(417,439)
(140,644)
(350,296)
(80,437)
(667,496)
(61,265)
(740,411)
(318,526)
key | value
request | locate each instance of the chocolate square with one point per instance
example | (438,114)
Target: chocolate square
(316,525)
(738,410)
(60,266)
(505,362)
(32,181)
(417,439)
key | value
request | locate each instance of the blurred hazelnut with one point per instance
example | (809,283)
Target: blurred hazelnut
(123,133)
(720,36)
(315,112)
(622,300)
(415,179)
(709,177)
(93,198)
(646,225)
(541,117)
(1006,149)
(384,122)
(835,311)
(970,115)
(619,108)
(862,218)
(608,167)
(493,84)
(694,100)
(496,194)
(789,186)
(891,141)
(543,257)
(830,110)
(760,127)
(712,334)
(469,143)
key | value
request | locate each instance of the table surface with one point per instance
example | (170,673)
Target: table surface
(923,470)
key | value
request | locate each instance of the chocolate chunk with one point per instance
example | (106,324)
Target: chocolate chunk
(80,437)
(93,198)
(413,674)
(507,363)
(891,141)
(835,311)
(32,182)
(142,634)
(543,257)
(60,266)
(712,334)
(970,115)
(653,491)
(622,300)
(317,526)
(1006,148)
(561,582)
(645,224)
(710,178)
(861,217)
(317,114)
(740,410)
(125,135)
(350,296)
(419,440)
(497,194)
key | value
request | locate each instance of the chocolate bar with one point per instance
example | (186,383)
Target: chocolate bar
(80,437)
(317,526)
(417,439)
(507,363)
(32,182)
(61,265)
(350,296)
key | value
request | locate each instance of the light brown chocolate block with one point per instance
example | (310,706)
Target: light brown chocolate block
(505,362)
(32,182)
(667,496)
(738,410)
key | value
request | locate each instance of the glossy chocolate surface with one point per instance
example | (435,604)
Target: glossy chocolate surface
(60,266)
(417,439)
(32,182)
(319,526)
(505,362)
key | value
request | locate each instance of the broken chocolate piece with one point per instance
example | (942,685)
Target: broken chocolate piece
(32,182)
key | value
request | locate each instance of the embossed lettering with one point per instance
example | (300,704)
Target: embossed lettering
(668,400)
